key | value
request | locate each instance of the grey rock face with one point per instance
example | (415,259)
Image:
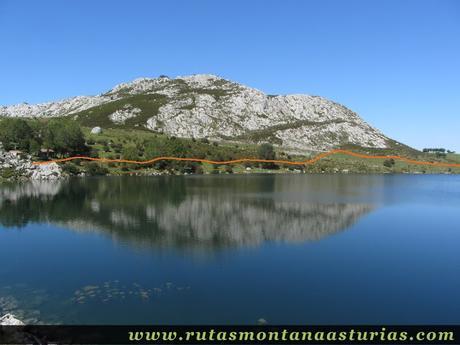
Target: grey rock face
(208,106)
(21,165)
(96,130)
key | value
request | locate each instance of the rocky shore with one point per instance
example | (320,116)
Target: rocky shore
(16,166)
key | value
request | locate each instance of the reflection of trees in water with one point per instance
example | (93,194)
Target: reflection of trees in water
(190,212)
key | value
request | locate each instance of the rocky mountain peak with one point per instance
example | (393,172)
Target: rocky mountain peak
(205,105)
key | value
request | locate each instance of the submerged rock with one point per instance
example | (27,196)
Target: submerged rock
(261,322)
(10,320)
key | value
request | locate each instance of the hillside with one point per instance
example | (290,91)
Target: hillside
(206,106)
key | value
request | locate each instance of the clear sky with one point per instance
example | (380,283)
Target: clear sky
(396,63)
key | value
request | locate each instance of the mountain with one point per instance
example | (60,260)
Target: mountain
(206,106)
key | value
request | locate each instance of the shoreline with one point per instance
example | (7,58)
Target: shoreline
(284,173)
(16,166)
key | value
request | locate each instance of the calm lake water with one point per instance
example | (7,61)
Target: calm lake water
(232,249)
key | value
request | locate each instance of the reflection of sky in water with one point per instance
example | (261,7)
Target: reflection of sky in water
(232,250)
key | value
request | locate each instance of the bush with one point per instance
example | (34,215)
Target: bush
(94,153)
(130,152)
(389,163)
(266,151)
(191,168)
(70,169)
(198,169)
(95,169)
(64,136)
(7,173)
(117,147)
(102,142)
(15,134)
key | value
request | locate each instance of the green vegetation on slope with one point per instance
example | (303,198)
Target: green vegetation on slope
(58,138)
(99,115)
(63,136)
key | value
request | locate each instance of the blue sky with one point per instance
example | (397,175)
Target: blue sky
(396,63)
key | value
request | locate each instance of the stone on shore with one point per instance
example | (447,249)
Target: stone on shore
(96,130)
(15,165)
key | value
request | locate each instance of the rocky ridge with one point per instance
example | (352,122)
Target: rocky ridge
(207,106)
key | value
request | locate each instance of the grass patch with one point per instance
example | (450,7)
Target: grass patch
(99,116)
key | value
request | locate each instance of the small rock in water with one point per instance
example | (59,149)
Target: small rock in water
(10,320)
(261,322)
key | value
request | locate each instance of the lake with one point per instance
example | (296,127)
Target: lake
(232,249)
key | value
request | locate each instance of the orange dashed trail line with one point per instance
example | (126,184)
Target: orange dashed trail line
(253,160)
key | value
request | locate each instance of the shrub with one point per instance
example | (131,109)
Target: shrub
(64,136)
(130,152)
(94,153)
(198,169)
(389,163)
(70,168)
(7,173)
(102,142)
(266,151)
(15,134)
(95,169)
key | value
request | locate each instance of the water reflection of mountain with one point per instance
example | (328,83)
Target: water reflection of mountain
(186,212)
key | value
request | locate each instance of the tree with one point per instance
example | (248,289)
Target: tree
(95,169)
(267,152)
(64,136)
(34,147)
(15,134)
(75,139)
(130,152)
(176,147)
(389,163)
(152,150)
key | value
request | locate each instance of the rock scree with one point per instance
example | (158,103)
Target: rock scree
(16,165)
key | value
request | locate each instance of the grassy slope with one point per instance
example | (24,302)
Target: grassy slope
(99,116)
(104,144)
